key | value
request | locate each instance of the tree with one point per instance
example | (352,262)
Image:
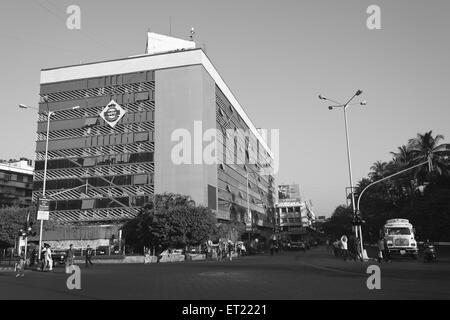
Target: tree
(177,222)
(340,223)
(11,221)
(405,195)
(428,147)
(379,170)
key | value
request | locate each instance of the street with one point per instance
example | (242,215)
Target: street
(315,274)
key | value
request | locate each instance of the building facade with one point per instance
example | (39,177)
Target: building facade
(295,217)
(16,183)
(139,127)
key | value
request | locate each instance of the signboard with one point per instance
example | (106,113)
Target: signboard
(44,210)
(112,113)
(289,192)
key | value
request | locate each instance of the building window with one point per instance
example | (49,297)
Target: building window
(140,179)
(87,204)
(89,162)
(212,197)
(141,137)
(90,122)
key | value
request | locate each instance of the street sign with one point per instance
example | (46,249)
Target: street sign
(44,210)
(112,113)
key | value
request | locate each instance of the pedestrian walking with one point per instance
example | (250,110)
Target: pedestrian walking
(88,255)
(344,246)
(381,249)
(230,249)
(20,266)
(48,258)
(42,258)
(70,259)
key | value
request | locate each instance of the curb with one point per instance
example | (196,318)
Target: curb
(7,269)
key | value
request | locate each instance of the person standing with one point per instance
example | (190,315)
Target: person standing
(344,247)
(70,258)
(20,266)
(88,255)
(48,258)
(381,250)
(42,258)
(230,248)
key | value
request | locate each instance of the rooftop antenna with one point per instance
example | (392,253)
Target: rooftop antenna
(192,34)
(170,25)
(146,46)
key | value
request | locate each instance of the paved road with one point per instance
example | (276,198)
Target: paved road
(312,275)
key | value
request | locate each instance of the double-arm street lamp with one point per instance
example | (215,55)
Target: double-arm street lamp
(344,106)
(49,115)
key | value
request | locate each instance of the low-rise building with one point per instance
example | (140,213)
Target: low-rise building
(16,183)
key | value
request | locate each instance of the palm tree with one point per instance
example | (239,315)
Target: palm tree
(428,147)
(379,170)
(401,160)
(404,157)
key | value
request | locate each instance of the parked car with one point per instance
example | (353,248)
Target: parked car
(297,245)
(59,257)
(102,251)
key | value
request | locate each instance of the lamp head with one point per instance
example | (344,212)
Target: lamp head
(23,106)
(330,108)
(359,92)
(322,97)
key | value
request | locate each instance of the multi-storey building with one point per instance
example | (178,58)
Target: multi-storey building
(16,183)
(295,216)
(126,129)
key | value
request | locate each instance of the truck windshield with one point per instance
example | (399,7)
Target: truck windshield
(398,231)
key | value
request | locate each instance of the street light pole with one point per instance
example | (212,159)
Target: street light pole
(44,187)
(358,231)
(349,160)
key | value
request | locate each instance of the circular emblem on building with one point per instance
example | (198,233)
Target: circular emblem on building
(112,113)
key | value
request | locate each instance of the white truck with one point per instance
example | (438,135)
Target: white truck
(399,236)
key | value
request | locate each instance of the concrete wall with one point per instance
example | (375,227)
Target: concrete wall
(183,96)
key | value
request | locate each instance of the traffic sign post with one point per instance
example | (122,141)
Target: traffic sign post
(43,214)
(44,210)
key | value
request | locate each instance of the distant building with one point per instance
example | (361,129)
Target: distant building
(295,217)
(16,183)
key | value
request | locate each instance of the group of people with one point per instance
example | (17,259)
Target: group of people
(71,257)
(224,250)
(46,260)
(345,247)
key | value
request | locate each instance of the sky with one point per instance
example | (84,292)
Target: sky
(275,56)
